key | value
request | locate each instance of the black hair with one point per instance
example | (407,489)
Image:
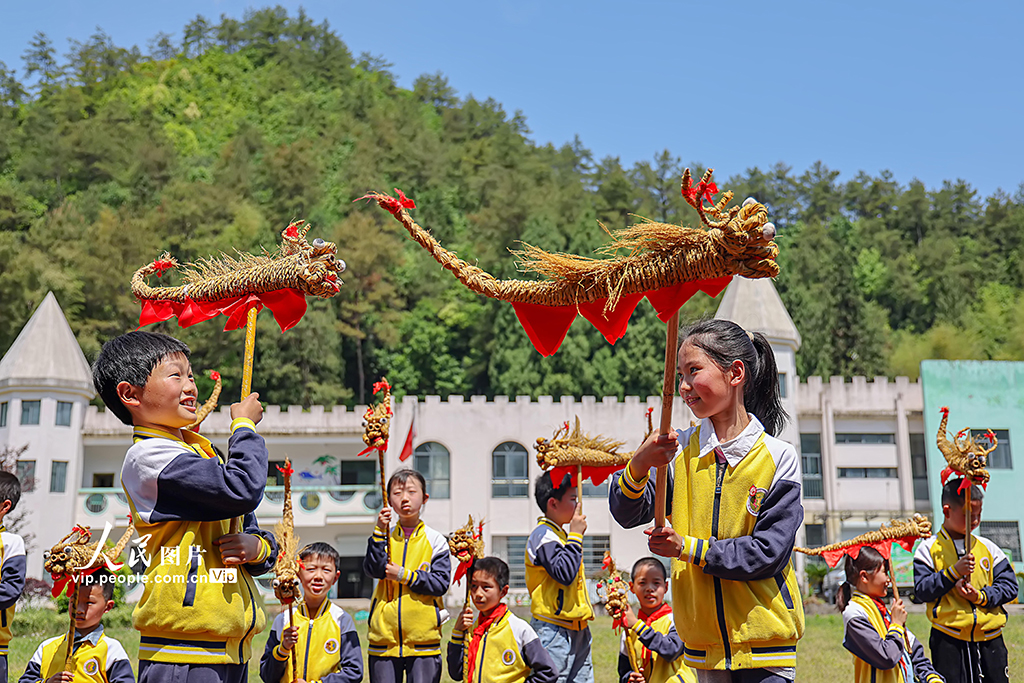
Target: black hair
(130,358)
(322,550)
(102,578)
(10,489)
(495,567)
(648,562)
(544,490)
(953,496)
(403,475)
(725,341)
(868,560)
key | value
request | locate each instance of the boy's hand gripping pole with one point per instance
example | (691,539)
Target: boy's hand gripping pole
(668,390)
(250,352)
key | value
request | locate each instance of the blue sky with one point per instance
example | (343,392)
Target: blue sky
(925,89)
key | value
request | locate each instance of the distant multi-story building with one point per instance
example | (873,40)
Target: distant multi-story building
(867,455)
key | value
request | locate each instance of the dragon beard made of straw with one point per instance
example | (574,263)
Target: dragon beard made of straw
(73,557)
(665,263)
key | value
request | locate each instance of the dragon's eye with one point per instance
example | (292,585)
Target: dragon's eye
(318,242)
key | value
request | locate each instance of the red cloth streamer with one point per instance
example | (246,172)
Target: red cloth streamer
(214,375)
(286,471)
(391,204)
(61,582)
(483,624)
(288,306)
(461,570)
(596,475)
(884,548)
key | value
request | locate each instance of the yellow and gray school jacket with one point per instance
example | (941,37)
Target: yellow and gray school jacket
(327,650)
(12,582)
(735,597)
(666,653)
(935,576)
(879,652)
(406,615)
(509,652)
(182,498)
(554,577)
(96,657)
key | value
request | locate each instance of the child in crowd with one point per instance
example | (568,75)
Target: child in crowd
(734,504)
(657,649)
(559,601)
(502,647)
(12,564)
(408,603)
(877,638)
(196,625)
(324,636)
(96,656)
(965,589)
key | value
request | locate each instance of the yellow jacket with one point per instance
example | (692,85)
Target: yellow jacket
(96,658)
(12,581)
(193,609)
(554,577)
(406,616)
(509,652)
(935,576)
(658,650)
(327,650)
(736,600)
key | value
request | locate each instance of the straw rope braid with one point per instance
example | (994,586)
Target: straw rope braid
(68,558)
(582,450)
(210,404)
(376,432)
(297,264)
(286,569)
(466,544)
(735,241)
(916,526)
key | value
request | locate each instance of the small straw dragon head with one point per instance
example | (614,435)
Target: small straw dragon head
(965,455)
(466,544)
(71,554)
(321,265)
(377,418)
(614,590)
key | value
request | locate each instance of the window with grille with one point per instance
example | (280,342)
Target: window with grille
(58,476)
(810,457)
(509,477)
(26,473)
(865,438)
(814,535)
(512,549)
(1006,535)
(867,473)
(919,466)
(431,459)
(591,491)
(30,412)
(594,548)
(3,414)
(783,389)
(64,413)
(999,459)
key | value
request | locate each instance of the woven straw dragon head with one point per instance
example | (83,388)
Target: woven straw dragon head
(965,454)
(321,265)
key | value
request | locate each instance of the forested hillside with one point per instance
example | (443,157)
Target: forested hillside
(109,156)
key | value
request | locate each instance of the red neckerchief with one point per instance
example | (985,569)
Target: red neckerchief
(483,624)
(650,619)
(882,608)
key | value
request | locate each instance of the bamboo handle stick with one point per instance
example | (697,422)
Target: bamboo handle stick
(579,487)
(294,659)
(247,359)
(668,390)
(967,519)
(69,664)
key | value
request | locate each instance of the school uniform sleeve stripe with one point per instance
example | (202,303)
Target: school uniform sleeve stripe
(694,550)
(561,562)
(1004,584)
(33,671)
(242,423)
(668,645)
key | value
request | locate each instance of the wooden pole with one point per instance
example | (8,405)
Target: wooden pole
(69,665)
(467,635)
(247,359)
(579,487)
(668,391)
(630,650)
(895,597)
(294,659)
(967,521)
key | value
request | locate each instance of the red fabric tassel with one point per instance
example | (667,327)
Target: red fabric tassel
(546,326)
(596,475)
(613,324)
(461,570)
(287,305)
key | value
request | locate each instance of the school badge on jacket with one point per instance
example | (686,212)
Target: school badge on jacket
(754,500)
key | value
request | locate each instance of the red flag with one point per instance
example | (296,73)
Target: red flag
(407,448)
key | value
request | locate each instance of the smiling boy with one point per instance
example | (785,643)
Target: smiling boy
(323,636)
(657,648)
(196,624)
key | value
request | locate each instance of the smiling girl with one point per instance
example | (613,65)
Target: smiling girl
(734,502)
(877,636)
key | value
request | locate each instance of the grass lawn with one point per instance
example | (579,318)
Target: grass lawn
(821,657)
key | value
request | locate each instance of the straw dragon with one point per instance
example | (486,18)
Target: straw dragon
(736,241)
(297,264)
(965,455)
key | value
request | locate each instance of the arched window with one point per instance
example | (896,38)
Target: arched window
(431,460)
(509,478)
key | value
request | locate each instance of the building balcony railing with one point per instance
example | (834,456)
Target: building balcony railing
(311,505)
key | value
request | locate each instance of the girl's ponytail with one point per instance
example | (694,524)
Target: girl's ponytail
(843,595)
(725,341)
(761,395)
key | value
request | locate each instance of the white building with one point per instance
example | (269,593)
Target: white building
(861,442)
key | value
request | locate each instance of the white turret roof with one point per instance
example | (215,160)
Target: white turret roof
(46,354)
(755,306)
